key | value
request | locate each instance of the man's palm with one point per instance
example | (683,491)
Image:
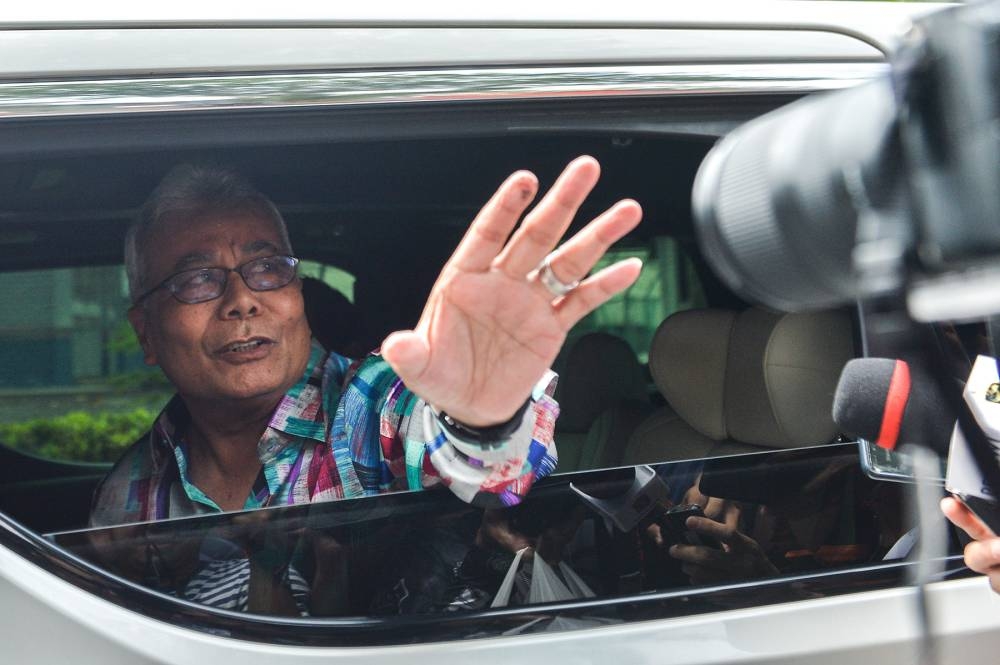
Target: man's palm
(490,329)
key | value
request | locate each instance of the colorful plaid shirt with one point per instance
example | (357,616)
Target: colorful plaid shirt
(345,430)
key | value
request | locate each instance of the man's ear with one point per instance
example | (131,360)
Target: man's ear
(137,317)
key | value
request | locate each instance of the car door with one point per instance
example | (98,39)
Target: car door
(378,136)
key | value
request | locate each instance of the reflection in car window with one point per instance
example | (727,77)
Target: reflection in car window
(74,386)
(762,517)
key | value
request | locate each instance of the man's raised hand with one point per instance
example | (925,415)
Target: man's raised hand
(491,326)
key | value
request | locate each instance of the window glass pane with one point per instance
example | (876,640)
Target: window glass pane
(792,518)
(74,386)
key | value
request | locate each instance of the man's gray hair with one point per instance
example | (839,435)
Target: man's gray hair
(192,190)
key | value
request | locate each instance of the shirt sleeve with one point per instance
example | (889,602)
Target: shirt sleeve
(417,452)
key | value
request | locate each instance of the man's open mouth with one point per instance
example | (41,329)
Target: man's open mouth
(245,346)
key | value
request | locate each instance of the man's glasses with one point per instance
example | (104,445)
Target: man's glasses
(204,284)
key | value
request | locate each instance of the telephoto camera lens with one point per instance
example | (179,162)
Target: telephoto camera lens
(777,201)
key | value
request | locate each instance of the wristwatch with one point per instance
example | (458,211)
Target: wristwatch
(487,437)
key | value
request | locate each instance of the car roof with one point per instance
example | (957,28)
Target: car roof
(55,40)
(877,20)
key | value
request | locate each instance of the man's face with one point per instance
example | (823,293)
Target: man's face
(243,345)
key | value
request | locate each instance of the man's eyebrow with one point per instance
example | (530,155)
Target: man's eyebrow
(203,258)
(258,246)
(191,259)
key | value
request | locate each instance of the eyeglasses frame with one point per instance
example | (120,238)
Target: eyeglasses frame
(238,270)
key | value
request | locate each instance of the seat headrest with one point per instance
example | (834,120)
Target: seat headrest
(599,372)
(755,377)
(687,358)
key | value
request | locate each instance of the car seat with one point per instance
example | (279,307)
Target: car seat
(333,319)
(599,373)
(742,382)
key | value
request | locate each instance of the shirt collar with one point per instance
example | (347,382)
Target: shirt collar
(299,414)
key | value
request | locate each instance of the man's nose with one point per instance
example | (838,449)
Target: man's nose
(238,300)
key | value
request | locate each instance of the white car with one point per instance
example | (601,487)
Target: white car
(379,131)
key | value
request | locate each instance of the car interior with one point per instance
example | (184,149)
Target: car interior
(388,212)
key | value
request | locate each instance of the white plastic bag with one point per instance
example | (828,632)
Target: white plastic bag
(503,593)
(546,585)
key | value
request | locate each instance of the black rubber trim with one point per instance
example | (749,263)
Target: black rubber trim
(710,115)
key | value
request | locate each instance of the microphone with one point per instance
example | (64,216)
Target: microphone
(889,401)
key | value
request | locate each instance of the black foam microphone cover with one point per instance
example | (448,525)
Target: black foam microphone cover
(869,404)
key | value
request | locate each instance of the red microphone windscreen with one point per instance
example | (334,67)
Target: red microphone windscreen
(895,405)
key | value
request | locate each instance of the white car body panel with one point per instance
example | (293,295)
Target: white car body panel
(65,38)
(58,622)
(76,53)
(46,619)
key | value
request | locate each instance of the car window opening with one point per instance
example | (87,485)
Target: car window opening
(671,374)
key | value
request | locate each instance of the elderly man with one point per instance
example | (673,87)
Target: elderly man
(262,416)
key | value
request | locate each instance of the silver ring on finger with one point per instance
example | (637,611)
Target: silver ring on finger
(555,286)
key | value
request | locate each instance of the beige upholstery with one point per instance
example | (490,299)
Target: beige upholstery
(600,372)
(688,358)
(783,372)
(740,382)
(665,436)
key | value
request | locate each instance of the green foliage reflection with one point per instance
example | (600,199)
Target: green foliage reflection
(78,436)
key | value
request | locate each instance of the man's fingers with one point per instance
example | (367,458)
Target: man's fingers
(596,290)
(547,223)
(983,556)
(731,514)
(699,555)
(718,531)
(574,259)
(492,226)
(964,519)
(694,495)
(983,553)
(496,527)
(408,355)
(703,555)
(723,510)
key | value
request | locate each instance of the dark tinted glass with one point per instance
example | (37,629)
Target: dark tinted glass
(781,516)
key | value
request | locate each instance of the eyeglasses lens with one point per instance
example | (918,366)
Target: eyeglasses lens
(268,273)
(199,285)
(264,274)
